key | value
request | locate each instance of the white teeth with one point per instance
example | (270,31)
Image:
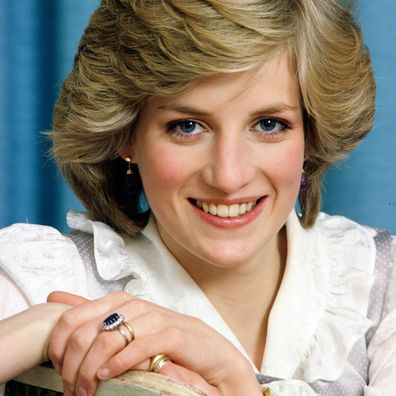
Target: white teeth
(233,210)
(222,210)
(213,209)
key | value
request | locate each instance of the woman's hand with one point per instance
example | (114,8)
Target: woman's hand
(24,338)
(200,356)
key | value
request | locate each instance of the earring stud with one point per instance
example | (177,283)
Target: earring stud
(129,170)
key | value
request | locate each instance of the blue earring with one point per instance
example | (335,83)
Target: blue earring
(304,183)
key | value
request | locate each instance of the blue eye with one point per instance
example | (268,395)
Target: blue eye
(270,126)
(185,127)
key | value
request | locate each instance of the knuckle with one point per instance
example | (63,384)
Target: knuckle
(105,341)
(67,319)
(79,340)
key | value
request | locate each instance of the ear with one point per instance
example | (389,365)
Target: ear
(128,153)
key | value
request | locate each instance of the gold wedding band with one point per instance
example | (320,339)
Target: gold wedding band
(127,332)
(157,362)
(130,329)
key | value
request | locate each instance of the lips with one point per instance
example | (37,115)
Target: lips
(223,210)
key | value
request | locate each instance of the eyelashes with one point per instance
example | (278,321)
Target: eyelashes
(185,127)
(271,126)
(188,129)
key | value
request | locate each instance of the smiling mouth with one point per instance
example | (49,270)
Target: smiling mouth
(221,210)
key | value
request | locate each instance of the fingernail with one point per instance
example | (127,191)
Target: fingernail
(103,373)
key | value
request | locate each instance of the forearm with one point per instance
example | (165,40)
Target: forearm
(24,338)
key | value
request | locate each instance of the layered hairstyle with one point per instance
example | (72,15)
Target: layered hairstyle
(135,49)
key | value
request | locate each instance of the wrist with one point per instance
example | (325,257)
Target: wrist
(25,336)
(242,381)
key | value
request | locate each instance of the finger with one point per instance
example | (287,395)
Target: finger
(189,377)
(182,344)
(66,298)
(88,348)
(175,372)
(153,335)
(74,318)
(105,345)
(137,352)
(77,347)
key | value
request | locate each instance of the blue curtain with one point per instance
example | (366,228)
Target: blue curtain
(38,39)
(364,186)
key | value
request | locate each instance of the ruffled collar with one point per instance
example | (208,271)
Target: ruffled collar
(321,307)
(319,312)
(157,276)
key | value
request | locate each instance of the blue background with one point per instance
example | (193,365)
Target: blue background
(38,40)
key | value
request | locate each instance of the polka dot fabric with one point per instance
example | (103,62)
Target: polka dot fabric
(355,377)
(97,286)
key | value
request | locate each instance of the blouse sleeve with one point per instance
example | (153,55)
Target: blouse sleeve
(34,261)
(12,298)
(382,348)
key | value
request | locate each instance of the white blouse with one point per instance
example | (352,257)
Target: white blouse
(327,282)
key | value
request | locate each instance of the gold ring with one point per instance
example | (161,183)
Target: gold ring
(130,329)
(157,362)
(127,332)
(266,391)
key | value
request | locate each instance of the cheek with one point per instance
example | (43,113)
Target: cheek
(287,165)
(162,169)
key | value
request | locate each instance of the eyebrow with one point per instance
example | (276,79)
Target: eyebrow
(183,109)
(274,108)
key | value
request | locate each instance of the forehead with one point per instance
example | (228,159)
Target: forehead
(272,81)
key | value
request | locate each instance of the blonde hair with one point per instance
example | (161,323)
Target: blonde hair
(134,49)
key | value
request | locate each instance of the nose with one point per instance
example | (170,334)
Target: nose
(230,164)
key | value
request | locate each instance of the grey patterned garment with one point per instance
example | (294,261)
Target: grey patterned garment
(355,375)
(85,246)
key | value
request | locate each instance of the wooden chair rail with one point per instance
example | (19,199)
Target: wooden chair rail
(132,383)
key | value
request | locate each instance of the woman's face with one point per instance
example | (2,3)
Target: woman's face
(221,164)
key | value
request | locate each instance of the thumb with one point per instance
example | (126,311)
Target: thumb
(65,298)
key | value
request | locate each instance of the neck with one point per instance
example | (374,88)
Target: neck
(244,295)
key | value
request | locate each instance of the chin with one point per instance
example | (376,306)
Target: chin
(227,258)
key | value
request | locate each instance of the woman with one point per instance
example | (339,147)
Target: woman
(223,113)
